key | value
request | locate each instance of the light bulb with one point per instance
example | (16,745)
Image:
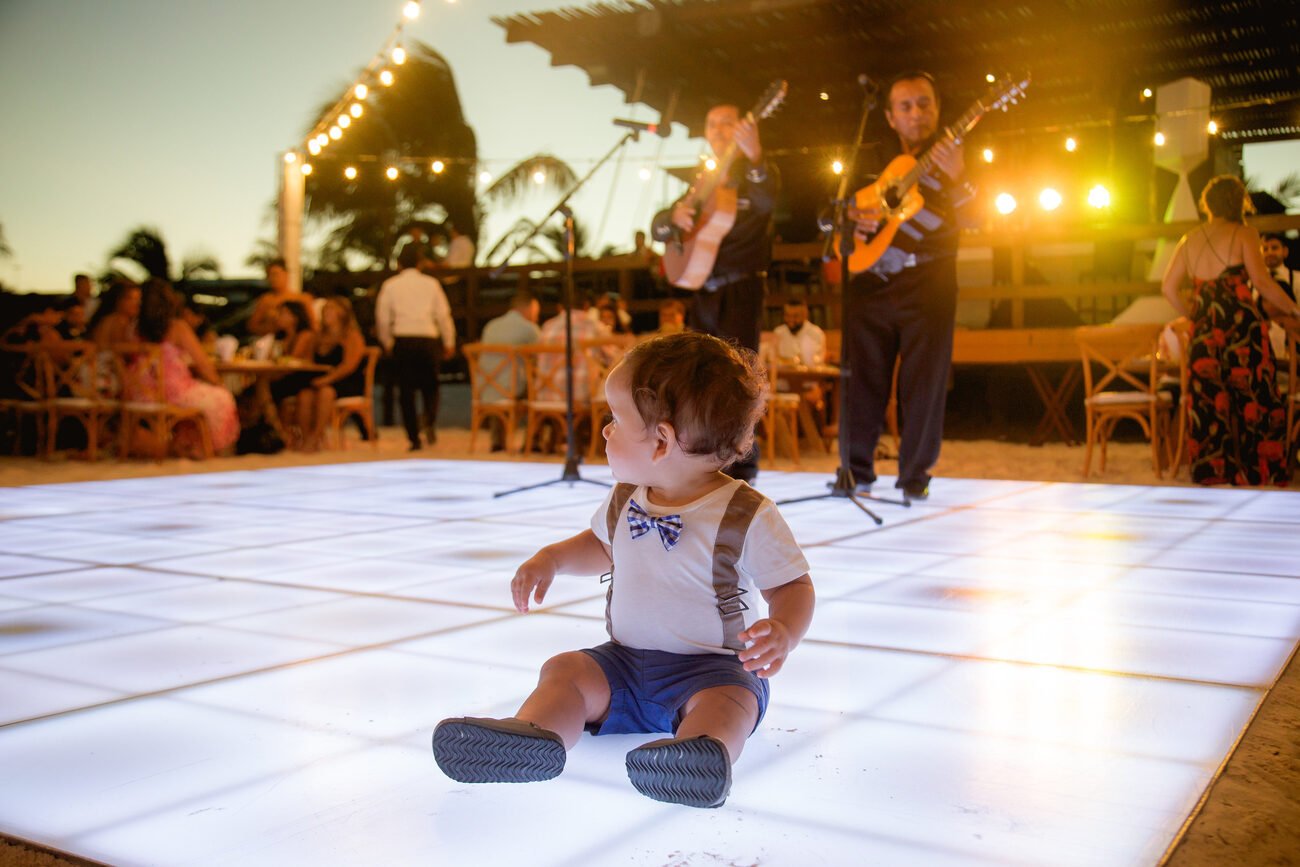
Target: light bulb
(356,109)
(1049,199)
(438,166)
(391,172)
(350,173)
(1212,128)
(988,155)
(1160,139)
(386,78)
(1005,203)
(1099,197)
(399,55)
(336,133)
(485,177)
(824,95)
(290,157)
(837,167)
(644,174)
(990,77)
(345,121)
(710,164)
(539,177)
(411,10)
(314,147)
(1071,145)
(306,168)
(360,91)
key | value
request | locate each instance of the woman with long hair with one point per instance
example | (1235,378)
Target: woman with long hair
(340,345)
(115,319)
(1237,423)
(182,358)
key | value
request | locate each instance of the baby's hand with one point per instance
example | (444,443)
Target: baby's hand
(769,645)
(533,578)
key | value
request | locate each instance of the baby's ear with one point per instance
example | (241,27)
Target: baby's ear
(665,439)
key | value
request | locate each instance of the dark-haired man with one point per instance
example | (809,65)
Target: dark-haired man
(901,310)
(1275,251)
(262,319)
(730,303)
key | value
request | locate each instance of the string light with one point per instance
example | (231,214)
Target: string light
(988,155)
(990,77)
(391,172)
(360,91)
(290,157)
(485,177)
(314,147)
(1099,197)
(644,174)
(306,168)
(837,167)
(411,10)
(399,55)
(1071,145)
(1005,203)
(539,177)
(1212,128)
(350,173)
(336,133)
(438,166)
(1146,93)
(1160,139)
(356,109)
(345,121)
(1049,199)
(824,96)
(386,78)
(710,163)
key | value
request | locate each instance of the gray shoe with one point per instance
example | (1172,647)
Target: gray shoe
(482,750)
(694,772)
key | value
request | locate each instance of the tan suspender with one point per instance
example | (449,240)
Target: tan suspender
(622,493)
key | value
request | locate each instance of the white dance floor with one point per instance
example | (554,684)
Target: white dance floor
(245,668)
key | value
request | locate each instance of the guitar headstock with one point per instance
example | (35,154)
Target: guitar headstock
(771,99)
(1005,93)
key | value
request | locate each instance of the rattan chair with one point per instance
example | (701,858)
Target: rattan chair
(1126,356)
(494,386)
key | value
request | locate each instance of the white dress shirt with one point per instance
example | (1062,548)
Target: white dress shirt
(412,304)
(809,345)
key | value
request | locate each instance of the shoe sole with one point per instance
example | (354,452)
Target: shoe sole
(493,751)
(694,772)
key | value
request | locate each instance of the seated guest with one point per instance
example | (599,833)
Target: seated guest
(295,340)
(1275,251)
(115,320)
(799,341)
(340,345)
(584,328)
(672,318)
(72,326)
(516,327)
(182,357)
(263,319)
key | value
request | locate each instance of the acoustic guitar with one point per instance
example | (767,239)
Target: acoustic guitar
(894,196)
(689,256)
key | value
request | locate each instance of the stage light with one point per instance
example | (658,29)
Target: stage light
(824,96)
(345,121)
(988,155)
(1049,199)
(356,109)
(644,174)
(438,166)
(391,172)
(1071,145)
(360,91)
(990,77)
(322,139)
(1005,203)
(411,10)
(306,168)
(485,177)
(1146,93)
(314,147)
(1160,139)
(399,55)
(837,167)
(710,164)
(539,177)
(336,133)
(290,157)
(1099,197)
(350,173)
(1212,128)
(386,78)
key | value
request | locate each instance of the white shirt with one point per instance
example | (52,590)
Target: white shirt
(809,345)
(412,304)
(665,599)
(460,252)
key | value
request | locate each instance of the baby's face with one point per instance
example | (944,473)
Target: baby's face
(628,444)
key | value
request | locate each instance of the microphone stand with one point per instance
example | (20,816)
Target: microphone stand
(571,458)
(845,486)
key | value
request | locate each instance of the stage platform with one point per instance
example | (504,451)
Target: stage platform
(245,668)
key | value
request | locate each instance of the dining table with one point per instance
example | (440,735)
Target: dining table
(258,374)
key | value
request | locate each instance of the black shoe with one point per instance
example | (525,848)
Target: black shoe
(477,750)
(694,772)
(414,447)
(917,491)
(431,435)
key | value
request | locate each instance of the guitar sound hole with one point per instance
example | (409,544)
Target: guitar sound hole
(892,198)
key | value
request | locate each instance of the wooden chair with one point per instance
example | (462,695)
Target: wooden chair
(144,400)
(782,412)
(74,390)
(494,380)
(362,406)
(1173,362)
(603,353)
(27,399)
(1122,351)
(1292,395)
(545,401)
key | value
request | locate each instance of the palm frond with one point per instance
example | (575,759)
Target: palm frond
(520,180)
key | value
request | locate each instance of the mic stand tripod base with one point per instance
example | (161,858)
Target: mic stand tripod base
(569,475)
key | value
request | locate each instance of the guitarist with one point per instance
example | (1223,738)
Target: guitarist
(902,309)
(730,303)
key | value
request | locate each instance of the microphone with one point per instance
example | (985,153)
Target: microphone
(867,83)
(663,130)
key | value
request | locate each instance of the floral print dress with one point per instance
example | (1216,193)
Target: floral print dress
(1237,424)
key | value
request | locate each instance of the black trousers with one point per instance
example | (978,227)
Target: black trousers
(906,320)
(734,312)
(416,362)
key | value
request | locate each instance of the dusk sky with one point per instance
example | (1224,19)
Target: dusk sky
(174,113)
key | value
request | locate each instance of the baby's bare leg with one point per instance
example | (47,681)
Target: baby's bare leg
(727,713)
(571,692)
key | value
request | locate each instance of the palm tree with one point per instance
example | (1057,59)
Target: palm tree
(200,265)
(5,250)
(145,246)
(406,126)
(517,184)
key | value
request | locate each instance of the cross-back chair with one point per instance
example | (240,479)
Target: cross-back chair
(1126,386)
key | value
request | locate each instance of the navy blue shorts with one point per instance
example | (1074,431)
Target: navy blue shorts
(648,688)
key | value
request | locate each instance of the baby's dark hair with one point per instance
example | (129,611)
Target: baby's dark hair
(710,391)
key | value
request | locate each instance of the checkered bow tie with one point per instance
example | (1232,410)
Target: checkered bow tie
(640,522)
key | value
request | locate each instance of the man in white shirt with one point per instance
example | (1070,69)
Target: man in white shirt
(460,253)
(516,327)
(1275,252)
(413,323)
(799,341)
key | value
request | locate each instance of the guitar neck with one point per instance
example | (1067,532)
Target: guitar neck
(700,193)
(963,125)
